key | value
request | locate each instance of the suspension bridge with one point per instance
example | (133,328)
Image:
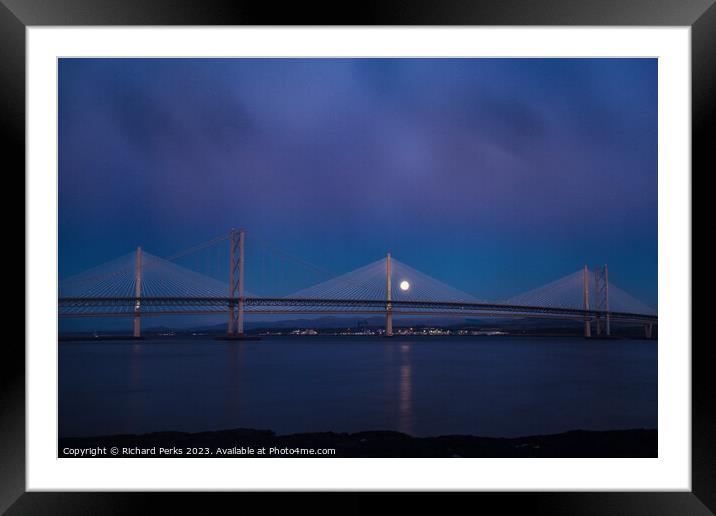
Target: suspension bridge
(140,284)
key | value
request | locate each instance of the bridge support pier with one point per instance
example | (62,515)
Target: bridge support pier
(648,330)
(388,298)
(587,328)
(137,329)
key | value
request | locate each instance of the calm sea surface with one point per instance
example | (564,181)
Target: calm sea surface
(490,386)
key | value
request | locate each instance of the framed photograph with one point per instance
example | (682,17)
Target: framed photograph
(422,249)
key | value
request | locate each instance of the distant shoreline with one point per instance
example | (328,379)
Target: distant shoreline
(130,338)
(242,442)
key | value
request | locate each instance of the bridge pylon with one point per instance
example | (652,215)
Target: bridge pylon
(587,322)
(235,329)
(388,298)
(137,330)
(601,298)
(236,282)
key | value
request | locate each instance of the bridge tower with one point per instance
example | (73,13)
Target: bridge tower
(388,299)
(601,296)
(137,331)
(236,282)
(587,322)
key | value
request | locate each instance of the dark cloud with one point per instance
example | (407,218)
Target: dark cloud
(551,160)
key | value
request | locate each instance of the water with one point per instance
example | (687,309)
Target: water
(490,386)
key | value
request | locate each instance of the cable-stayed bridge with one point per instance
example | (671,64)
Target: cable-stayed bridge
(140,284)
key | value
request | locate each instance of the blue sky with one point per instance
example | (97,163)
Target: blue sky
(492,175)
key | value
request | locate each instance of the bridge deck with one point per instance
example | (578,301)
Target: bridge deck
(128,306)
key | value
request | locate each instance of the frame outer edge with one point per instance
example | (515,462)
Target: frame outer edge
(12,377)
(12,54)
(371,12)
(703,113)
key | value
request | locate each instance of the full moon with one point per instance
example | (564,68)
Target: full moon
(404,285)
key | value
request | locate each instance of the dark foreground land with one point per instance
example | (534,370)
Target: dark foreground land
(249,443)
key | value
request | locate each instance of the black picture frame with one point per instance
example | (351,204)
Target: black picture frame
(16,15)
